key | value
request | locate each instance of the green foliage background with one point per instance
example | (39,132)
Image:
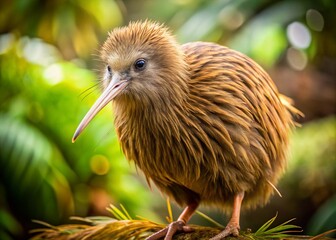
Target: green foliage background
(49,77)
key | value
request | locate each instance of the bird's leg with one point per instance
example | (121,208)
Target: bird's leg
(232,228)
(177,226)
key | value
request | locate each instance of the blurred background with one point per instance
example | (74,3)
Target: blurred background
(49,70)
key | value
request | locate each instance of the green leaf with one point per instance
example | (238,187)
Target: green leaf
(281,231)
(118,214)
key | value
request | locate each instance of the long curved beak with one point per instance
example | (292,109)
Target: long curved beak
(113,89)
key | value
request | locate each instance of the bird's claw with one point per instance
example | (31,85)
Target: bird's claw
(230,229)
(169,231)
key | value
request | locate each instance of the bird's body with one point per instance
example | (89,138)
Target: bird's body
(229,134)
(203,122)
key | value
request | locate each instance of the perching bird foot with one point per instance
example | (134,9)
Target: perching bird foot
(170,230)
(230,229)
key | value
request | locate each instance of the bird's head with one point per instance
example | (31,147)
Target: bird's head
(143,66)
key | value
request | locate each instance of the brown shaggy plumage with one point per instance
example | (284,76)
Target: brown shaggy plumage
(202,121)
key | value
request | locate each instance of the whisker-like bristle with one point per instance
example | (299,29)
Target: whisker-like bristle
(89,91)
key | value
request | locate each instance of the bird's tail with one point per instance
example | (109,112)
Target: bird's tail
(288,103)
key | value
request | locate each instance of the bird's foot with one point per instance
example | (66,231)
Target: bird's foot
(231,229)
(169,231)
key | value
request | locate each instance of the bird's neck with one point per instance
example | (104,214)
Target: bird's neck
(152,110)
(150,107)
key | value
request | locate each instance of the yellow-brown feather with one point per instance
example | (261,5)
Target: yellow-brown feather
(208,126)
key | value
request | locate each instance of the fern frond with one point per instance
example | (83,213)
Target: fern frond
(283,230)
(119,214)
(170,217)
(217,224)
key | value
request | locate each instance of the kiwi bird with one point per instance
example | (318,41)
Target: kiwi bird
(204,123)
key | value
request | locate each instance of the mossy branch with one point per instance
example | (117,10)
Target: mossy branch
(123,227)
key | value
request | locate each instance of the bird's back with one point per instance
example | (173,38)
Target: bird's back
(238,107)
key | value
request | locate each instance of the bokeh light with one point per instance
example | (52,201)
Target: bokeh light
(298,35)
(296,58)
(99,164)
(315,20)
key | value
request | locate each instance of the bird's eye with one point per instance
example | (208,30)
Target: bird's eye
(109,70)
(140,64)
